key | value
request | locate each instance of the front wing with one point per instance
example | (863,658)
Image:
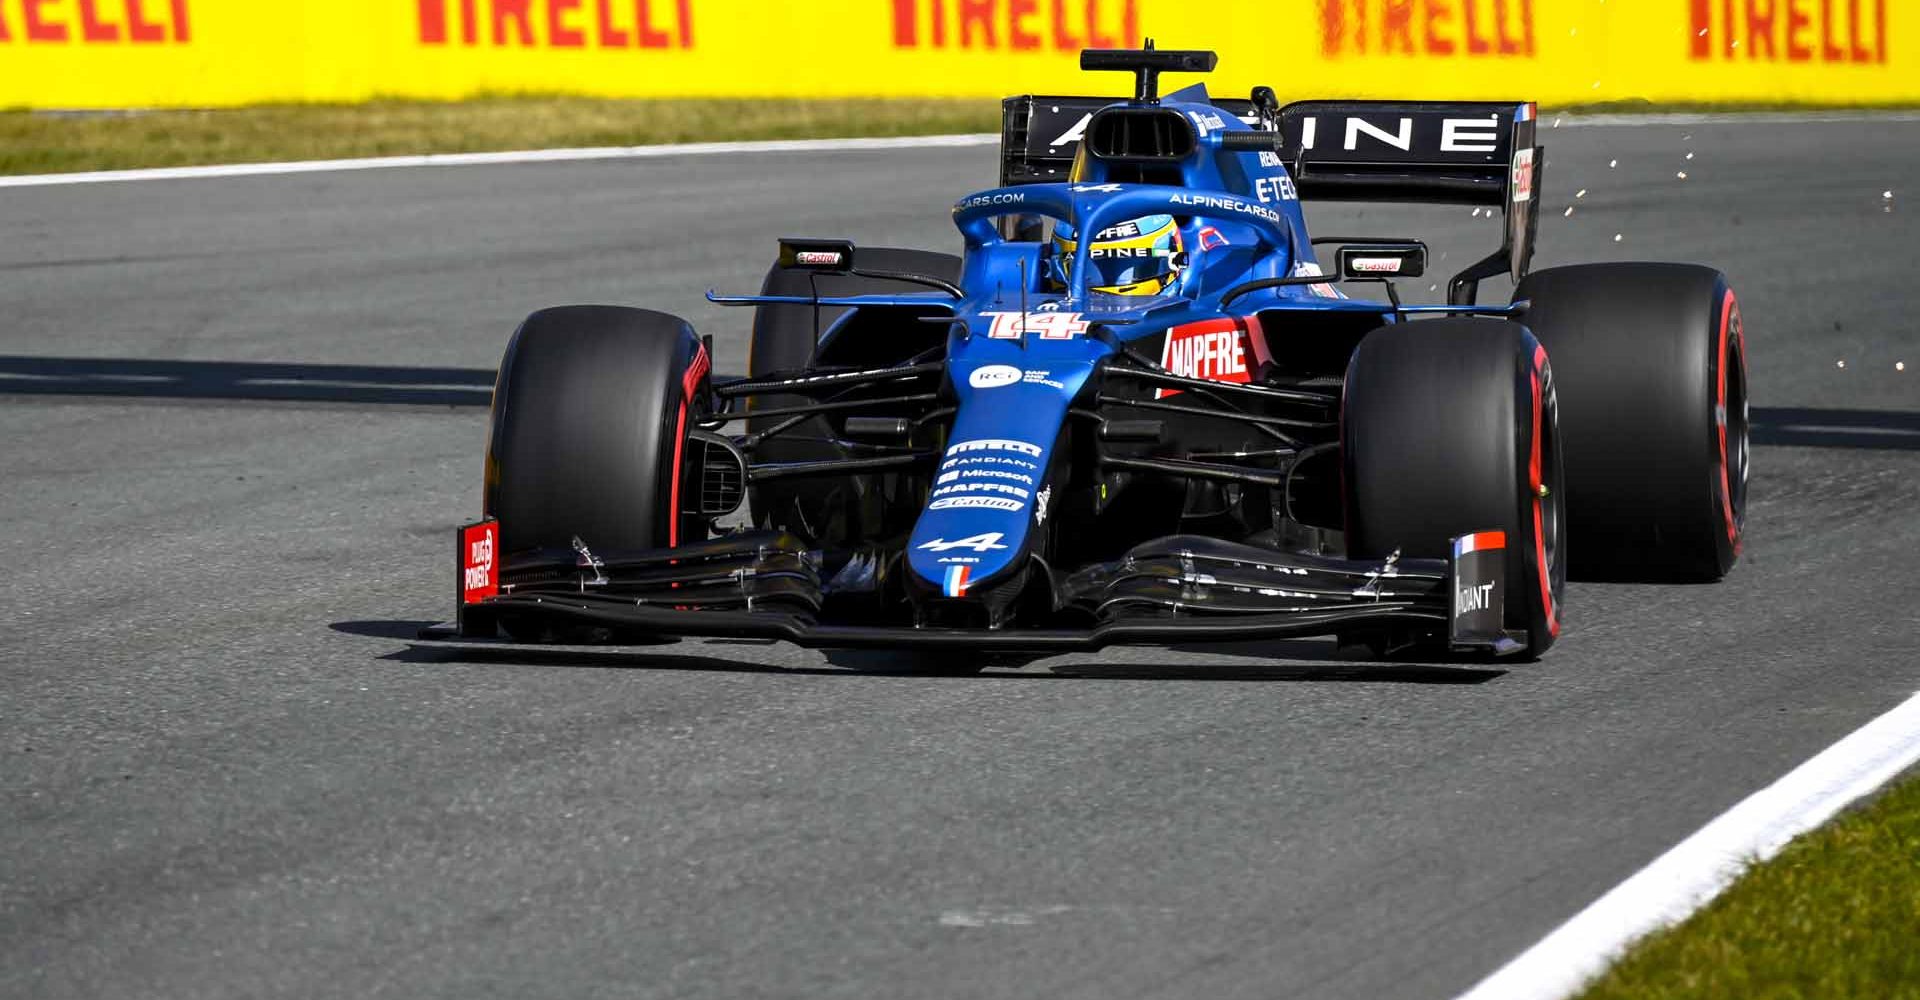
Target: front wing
(1177,589)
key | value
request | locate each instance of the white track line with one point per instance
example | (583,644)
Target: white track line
(515,156)
(815,146)
(1697,869)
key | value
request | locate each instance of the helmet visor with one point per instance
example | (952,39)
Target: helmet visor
(1139,257)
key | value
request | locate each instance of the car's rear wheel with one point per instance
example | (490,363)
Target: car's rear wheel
(591,410)
(1450,427)
(1653,385)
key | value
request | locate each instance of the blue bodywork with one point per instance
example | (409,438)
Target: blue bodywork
(1022,347)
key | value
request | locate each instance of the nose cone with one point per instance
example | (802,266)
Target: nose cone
(992,481)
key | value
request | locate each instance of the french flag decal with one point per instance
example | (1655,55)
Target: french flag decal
(1479,542)
(956,582)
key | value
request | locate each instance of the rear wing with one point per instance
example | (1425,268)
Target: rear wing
(1444,152)
(1424,151)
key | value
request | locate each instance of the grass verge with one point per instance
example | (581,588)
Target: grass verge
(55,142)
(40,142)
(1835,916)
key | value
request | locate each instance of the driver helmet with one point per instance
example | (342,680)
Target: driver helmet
(1138,257)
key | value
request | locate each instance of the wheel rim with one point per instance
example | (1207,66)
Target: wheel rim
(1737,424)
(1553,504)
(1730,426)
(1544,508)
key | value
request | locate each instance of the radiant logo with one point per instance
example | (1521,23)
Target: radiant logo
(1473,598)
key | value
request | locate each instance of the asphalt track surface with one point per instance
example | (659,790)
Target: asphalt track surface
(229,772)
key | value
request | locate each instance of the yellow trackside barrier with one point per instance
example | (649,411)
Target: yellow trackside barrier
(161,53)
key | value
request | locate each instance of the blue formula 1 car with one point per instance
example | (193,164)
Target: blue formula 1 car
(1135,409)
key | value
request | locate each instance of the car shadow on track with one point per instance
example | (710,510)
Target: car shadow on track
(286,382)
(1280,661)
(405,385)
(1808,427)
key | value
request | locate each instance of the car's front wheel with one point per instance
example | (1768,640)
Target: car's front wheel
(591,411)
(1451,427)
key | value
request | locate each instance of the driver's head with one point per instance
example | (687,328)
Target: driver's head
(1138,257)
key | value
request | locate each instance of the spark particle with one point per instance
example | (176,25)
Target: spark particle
(1612,164)
(1569,212)
(1582,193)
(1689,156)
(1899,366)
(1617,237)
(1842,363)
(1682,175)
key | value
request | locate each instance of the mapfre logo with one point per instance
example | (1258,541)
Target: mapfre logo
(558,24)
(96,22)
(1215,350)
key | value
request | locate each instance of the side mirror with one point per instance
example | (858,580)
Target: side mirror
(825,256)
(1383,260)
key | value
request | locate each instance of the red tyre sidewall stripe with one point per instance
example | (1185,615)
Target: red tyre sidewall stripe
(1729,310)
(689,383)
(1541,570)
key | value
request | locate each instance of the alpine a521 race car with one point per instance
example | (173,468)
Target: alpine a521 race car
(1134,409)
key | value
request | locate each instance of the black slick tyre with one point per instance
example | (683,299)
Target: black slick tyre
(591,410)
(1651,362)
(1450,427)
